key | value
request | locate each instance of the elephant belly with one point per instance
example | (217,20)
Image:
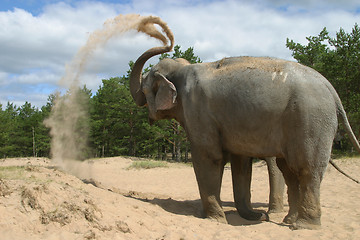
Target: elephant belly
(263,142)
(252,127)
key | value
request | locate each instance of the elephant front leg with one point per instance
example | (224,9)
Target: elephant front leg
(209,170)
(241,169)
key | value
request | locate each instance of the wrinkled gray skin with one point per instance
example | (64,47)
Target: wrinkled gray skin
(241,177)
(277,185)
(246,106)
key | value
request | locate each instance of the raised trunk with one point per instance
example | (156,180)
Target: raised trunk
(136,74)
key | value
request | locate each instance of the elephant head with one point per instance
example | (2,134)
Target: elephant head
(147,26)
(153,88)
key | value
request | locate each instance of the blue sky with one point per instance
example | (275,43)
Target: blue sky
(36,6)
(39,37)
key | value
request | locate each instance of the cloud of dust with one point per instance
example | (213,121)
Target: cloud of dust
(69,119)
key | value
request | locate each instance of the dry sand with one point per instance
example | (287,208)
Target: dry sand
(37,201)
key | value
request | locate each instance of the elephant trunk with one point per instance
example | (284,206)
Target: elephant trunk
(147,26)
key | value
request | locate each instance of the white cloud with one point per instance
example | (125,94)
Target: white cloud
(235,28)
(35,48)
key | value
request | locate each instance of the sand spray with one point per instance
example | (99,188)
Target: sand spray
(69,118)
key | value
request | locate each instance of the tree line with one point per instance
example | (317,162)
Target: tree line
(119,127)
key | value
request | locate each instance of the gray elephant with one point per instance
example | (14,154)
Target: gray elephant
(277,185)
(241,170)
(247,106)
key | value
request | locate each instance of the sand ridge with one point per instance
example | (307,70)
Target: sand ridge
(39,201)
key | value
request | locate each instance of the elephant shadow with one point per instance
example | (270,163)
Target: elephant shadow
(184,207)
(194,208)
(233,217)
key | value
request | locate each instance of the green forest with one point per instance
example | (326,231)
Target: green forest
(119,127)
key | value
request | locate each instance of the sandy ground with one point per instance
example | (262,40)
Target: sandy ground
(38,201)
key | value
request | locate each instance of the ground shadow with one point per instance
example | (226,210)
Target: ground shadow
(194,208)
(235,219)
(185,207)
(254,205)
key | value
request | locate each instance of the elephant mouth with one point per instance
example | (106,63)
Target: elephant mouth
(161,114)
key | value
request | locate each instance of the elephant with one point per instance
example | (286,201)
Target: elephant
(277,185)
(240,107)
(241,178)
(241,170)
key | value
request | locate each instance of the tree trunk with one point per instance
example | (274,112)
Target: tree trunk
(131,138)
(34,146)
(164,157)
(178,150)
(177,142)
(186,153)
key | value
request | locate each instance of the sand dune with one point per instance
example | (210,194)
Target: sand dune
(38,201)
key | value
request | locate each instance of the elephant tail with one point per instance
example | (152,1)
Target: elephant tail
(347,126)
(342,113)
(351,135)
(342,172)
(349,131)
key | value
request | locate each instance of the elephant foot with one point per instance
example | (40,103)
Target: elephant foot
(216,214)
(218,219)
(306,224)
(254,216)
(290,218)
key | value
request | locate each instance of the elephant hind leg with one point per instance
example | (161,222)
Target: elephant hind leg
(292,182)
(241,169)
(309,210)
(303,194)
(277,186)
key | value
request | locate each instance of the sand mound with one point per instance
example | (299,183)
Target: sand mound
(38,201)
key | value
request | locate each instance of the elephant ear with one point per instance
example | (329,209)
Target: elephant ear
(165,97)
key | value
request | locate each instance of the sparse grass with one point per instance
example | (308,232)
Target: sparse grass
(147,164)
(22,173)
(336,154)
(12,172)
